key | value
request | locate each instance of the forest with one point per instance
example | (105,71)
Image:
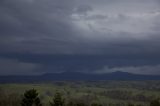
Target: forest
(81,93)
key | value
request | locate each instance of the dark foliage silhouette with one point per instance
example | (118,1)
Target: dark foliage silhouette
(30,98)
(155,102)
(58,100)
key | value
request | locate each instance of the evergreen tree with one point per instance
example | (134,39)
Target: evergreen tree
(30,98)
(57,100)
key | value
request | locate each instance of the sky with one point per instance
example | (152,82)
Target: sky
(89,36)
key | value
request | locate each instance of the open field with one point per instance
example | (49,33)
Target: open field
(104,92)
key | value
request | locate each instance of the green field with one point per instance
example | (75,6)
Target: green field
(117,93)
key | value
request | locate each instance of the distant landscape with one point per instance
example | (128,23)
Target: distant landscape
(77,76)
(106,93)
(112,89)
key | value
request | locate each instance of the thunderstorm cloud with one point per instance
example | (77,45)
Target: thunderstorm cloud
(93,36)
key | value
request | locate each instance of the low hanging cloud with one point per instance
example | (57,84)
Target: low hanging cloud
(15,67)
(146,69)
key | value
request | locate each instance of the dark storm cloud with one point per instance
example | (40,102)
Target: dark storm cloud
(76,35)
(34,24)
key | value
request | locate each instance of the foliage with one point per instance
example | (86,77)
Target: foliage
(130,104)
(155,102)
(107,93)
(31,98)
(95,104)
(9,99)
(57,100)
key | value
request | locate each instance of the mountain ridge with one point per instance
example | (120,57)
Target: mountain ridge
(77,76)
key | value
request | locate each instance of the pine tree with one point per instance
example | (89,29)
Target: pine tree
(57,100)
(30,98)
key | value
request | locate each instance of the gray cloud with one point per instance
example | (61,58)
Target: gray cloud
(106,28)
(14,67)
(146,69)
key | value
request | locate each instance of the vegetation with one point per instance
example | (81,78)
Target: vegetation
(31,98)
(155,102)
(102,93)
(11,99)
(57,100)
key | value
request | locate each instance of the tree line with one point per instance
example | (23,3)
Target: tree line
(31,98)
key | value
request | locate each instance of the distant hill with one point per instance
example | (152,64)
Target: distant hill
(77,76)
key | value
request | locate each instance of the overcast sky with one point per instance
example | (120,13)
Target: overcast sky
(93,36)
